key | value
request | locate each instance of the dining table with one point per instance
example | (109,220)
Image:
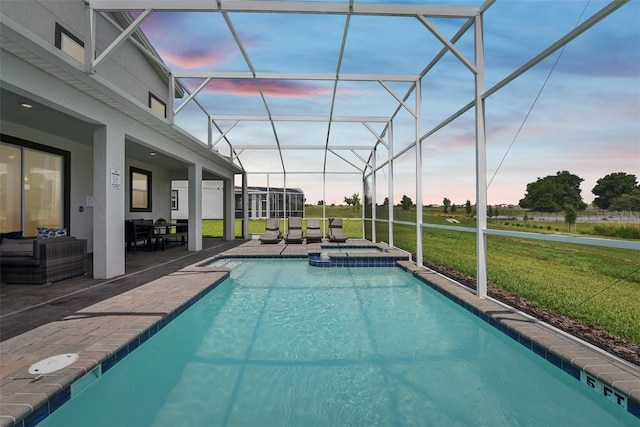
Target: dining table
(155,231)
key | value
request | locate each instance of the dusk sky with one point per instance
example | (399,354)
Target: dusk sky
(579,110)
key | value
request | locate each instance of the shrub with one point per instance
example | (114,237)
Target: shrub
(625,231)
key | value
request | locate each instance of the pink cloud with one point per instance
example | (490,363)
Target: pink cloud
(271,88)
(193,60)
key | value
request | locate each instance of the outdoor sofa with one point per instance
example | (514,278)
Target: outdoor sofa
(40,261)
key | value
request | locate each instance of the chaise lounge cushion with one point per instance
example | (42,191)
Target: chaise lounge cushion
(314,234)
(272,233)
(295,230)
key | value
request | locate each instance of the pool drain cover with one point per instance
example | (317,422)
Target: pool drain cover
(53,363)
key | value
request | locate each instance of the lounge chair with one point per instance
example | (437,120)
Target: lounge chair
(335,230)
(295,230)
(313,230)
(272,234)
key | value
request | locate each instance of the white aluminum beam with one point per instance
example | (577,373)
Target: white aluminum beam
(191,96)
(448,44)
(481,166)
(132,28)
(223,134)
(150,55)
(247,75)
(418,126)
(303,147)
(308,7)
(400,100)
(346,161)
(594,19)
(90,38)
(374,190)
(309,172)
(362,159)
(323,119)
(390,180)
(597,17)
(374,133)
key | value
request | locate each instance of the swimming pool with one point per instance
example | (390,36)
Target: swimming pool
(284,343)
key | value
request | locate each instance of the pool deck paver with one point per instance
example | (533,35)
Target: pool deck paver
(106,330)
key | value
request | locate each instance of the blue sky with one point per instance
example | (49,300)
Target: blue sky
(586,118)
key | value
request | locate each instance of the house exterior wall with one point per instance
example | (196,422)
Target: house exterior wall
(126,66)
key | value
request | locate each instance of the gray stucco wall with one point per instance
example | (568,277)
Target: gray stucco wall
(126,67)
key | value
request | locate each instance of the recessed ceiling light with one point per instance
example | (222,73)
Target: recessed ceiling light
(25,105)
(153,153)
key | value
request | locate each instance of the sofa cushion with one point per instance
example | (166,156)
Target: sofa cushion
(16,248)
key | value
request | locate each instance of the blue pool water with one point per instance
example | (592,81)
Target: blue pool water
(281,343)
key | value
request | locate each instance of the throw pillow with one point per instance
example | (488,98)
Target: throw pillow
(48,233)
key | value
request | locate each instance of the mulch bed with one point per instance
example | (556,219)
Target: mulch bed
(591,334)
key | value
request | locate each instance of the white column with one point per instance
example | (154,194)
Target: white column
(481,166)
(195,207)
(229,222)
(109,180)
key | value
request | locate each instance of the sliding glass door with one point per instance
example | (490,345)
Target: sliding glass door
(31,189)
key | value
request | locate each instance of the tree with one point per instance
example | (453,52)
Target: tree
(613,186)
(467,208)
(552,193)
(386,202)
(406,202)
(447,203)
(626,202)
(570,217)
(320,202)
(354,200)
(453,208)
(489,211)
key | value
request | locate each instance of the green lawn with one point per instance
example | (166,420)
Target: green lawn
(595,285)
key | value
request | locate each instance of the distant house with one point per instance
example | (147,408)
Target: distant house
(212,201)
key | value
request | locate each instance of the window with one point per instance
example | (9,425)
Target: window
(174,200)
(140,190)
(69,44)
(157,105)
